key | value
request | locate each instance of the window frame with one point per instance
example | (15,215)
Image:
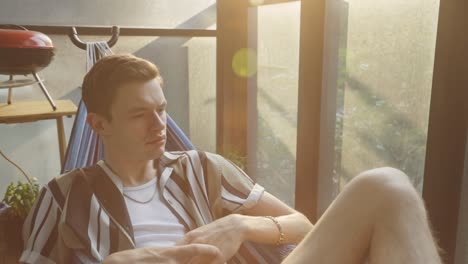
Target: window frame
(448,115)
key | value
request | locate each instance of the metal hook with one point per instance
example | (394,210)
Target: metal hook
(82,45)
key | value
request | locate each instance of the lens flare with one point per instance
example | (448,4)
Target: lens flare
(244,62)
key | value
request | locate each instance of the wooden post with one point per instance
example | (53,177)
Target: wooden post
(446,139)
(309,107)
(231,95)
(61,139)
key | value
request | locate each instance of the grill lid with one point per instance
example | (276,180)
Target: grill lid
(12,38)
(24,52)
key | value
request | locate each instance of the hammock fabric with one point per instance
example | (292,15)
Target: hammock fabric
(85,148)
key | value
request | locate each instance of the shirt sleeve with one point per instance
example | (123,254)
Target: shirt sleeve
(238,190)
(40,230)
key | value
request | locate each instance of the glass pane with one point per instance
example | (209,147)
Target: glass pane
(384,76)
(199,14)
(274,112)
(201,53)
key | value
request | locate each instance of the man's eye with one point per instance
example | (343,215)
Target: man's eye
(138,115)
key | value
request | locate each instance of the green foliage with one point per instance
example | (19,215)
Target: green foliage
(236,158)
(20,198)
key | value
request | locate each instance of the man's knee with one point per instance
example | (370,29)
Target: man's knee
(388,185)
(384,176)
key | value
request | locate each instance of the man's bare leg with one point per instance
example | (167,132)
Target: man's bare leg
(380,217)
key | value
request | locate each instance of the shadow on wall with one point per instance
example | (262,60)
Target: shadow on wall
(170,55)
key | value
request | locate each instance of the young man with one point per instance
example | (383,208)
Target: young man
(142,204)
(143,198)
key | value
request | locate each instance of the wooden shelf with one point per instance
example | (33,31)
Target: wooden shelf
(20,112)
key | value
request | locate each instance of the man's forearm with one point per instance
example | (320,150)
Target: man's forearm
(138,255)
(263,230)
(195,253)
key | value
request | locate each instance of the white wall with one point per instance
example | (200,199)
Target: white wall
(34,146)
(141,13)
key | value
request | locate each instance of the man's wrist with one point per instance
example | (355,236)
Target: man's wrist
(245,226)
(262,229)
(249,226)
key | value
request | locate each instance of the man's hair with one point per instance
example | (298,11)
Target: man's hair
(101,83)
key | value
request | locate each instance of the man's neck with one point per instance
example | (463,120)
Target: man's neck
(131,172)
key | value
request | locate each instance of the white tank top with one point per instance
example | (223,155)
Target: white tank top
(154,224)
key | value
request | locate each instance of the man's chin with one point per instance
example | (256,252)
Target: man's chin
(156,153)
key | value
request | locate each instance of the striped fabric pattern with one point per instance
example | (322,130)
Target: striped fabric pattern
(82,215)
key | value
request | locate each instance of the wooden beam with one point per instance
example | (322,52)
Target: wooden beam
(231,89)
(270,2)
(309,106)
(446,140)
(30,111)
(124,31)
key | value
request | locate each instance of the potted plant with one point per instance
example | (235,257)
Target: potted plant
(15,206)
(19,198)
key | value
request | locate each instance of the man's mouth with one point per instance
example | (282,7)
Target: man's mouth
(157,140)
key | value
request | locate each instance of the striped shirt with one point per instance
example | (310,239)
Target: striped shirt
(81,216)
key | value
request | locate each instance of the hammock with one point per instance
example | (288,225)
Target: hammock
(85,148)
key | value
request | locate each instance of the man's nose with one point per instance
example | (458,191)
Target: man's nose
(158,121)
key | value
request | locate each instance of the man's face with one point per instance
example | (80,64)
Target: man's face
(138,126)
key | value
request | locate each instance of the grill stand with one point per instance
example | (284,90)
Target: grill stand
(44,90)
(11,84)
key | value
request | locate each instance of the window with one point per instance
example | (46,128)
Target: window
(383,82)
(273,111)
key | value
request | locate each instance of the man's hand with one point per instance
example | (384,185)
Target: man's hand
(226,233)
(185,254)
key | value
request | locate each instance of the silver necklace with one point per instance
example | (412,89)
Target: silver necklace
(141,202)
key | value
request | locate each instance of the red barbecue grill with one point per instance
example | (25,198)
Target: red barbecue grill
(24,52)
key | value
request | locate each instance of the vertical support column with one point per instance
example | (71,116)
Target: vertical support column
(252,89)
(309,106)
(446,139)
(335,42)
(61,139)
(231,105)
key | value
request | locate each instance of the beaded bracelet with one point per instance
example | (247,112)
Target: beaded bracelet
(280,229)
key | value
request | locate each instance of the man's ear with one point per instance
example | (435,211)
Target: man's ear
(98,123)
